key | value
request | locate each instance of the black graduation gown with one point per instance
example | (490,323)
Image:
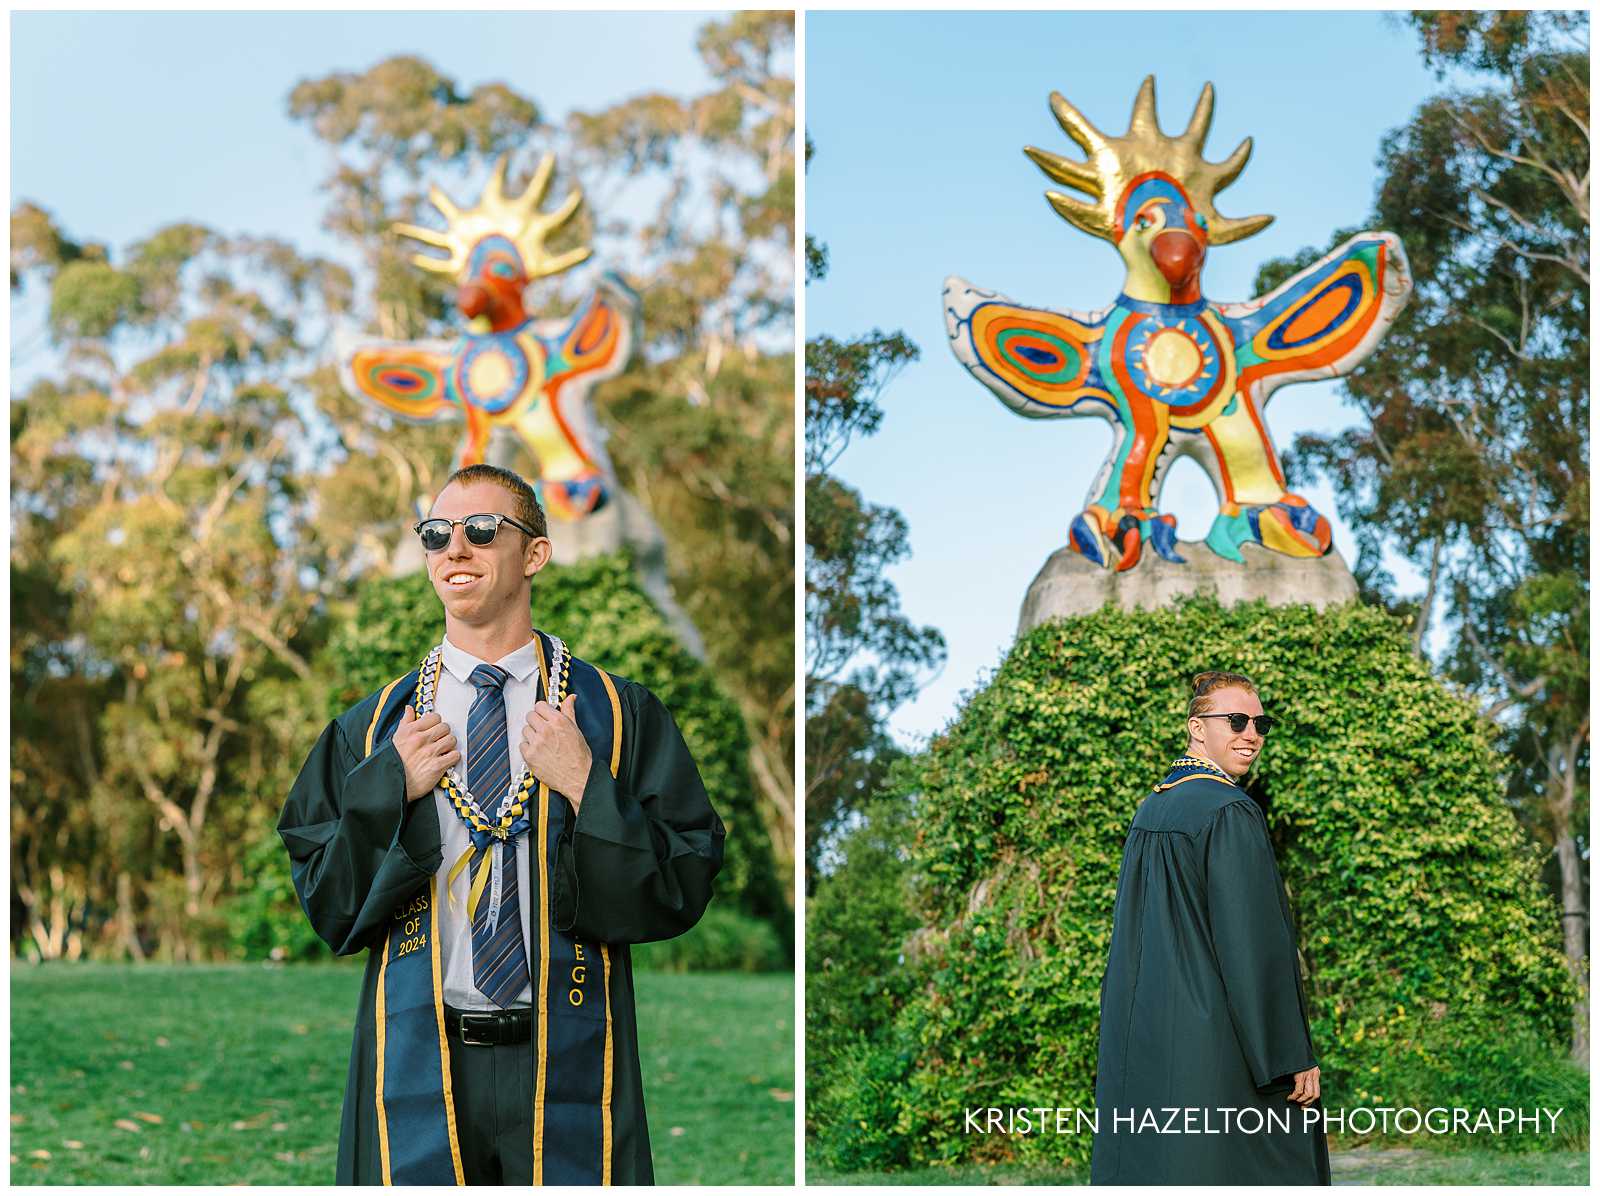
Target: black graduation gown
(1202,1007)
(636,866)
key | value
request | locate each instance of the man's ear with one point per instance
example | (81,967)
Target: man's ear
(537,555)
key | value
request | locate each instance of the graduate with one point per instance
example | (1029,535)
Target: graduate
(493,829)
(1202,1009)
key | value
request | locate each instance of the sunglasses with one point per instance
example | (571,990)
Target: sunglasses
(480,530)
(1238,722)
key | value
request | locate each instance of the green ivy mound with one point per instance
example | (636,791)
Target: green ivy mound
(1432,954)
(597,607)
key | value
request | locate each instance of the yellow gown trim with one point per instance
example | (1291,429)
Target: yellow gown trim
(605,951)
(378,1014)
(444,1040)
(383,698)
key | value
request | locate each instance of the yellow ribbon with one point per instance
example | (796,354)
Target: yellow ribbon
(477,888)
(477,884)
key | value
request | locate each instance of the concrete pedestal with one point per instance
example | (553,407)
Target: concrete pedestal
(1069,584)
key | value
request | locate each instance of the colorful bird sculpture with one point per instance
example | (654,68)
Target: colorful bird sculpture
(1175,372)
(509,370)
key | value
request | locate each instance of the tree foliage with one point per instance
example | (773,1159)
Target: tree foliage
(160,624)
(1431,954)
(864,657)
(1472,461)
(702,425)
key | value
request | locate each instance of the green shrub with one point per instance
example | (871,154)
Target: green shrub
(860,976)
(597,607)
(856,927)
(724,940)
(1494,1064)
(858,1098)
(264,919)
(1421,918)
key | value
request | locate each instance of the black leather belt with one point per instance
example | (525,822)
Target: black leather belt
(486,1028)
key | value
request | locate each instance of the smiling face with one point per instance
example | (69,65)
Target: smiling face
(484,586)
(1233,751)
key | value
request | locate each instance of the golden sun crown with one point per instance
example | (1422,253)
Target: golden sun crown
(517,219)
(1114,162)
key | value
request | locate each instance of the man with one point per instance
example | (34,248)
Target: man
(494,828)
(1201,1008)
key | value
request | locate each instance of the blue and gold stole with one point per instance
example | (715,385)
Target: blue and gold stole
(1193,768)
(572,1025)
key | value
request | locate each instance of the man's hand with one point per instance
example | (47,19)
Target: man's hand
(1307,1086)
(556,750)
(426,748)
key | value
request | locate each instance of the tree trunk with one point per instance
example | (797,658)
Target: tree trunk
(1574,927)
(770,776)
(1425,612)
(127,927)
(193,878)
(49,930)
(1562,763)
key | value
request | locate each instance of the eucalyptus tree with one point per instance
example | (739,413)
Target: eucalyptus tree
(160,630)
(1472,462)
(863,656)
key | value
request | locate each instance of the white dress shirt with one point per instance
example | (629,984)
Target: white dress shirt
(452,703)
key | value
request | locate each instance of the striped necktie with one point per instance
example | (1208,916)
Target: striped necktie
(499,960)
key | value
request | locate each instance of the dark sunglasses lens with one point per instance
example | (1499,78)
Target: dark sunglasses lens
(481,529)
(1238,722)
(1265,723)
(435,534)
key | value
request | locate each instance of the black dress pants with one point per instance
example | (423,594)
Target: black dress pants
(493,1090)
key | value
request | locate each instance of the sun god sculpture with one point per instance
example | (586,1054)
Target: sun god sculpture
(1174,372)
(509,370)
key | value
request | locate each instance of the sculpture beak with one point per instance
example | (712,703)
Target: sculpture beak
(473,300)
(1178,256)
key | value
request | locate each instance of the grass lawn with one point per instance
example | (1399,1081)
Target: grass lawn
(234,1073)
(1365,1165)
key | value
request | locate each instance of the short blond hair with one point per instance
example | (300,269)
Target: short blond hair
(1205,684)
(529,512)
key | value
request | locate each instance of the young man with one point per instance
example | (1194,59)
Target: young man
(494,828)
(1201,1008)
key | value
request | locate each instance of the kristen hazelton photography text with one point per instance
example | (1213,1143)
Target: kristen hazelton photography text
(1226,1119)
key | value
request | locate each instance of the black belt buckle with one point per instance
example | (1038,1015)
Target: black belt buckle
(485,1022)
(490,1027)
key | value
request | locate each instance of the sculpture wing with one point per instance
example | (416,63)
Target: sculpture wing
(410,379)
(1040,363)
(599,338)
(1325,320)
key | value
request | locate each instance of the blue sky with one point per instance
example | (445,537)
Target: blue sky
(122,122)
(919,121)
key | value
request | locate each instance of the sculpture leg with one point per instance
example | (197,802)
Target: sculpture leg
(477,438)
(1256,508)
(1113,530)
(1293,527)
(568,485)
